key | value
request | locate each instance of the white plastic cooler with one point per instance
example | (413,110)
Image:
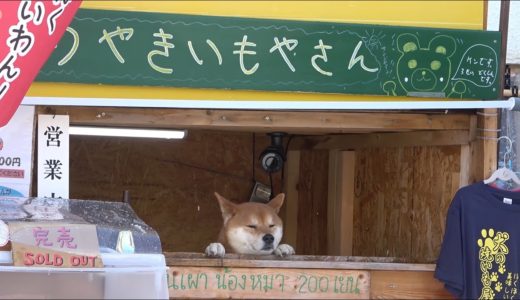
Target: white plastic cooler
(131,269)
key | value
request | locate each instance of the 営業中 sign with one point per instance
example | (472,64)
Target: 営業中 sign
(53,156)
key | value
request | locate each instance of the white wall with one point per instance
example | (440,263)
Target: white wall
(513,36)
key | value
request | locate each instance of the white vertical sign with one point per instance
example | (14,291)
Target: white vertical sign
(53,156)
(16,144)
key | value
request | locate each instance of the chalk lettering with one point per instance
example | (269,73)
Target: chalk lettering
(193,281)
(313,284)
(200,275)
(346,285)
(268,282)
(262,282)
(183,286)
(302,284)
(237,282)
(221,281)
(234,281)
(323,284)
(355,58)
(282,282)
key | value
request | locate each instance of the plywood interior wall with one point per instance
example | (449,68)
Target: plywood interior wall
(401,199)
(312,202)
(401,193)
(171,182)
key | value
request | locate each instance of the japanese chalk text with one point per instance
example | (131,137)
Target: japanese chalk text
(137,48)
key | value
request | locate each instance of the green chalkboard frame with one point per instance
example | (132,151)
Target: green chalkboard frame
(156,49)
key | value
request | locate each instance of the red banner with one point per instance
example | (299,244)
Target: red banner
(29,32)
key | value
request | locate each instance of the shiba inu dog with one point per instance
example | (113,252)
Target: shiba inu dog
(250,228)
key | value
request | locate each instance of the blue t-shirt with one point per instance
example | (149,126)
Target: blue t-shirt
(480,254)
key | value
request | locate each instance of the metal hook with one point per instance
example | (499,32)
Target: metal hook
(509,149)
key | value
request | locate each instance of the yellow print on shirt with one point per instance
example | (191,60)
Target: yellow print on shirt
(496,281)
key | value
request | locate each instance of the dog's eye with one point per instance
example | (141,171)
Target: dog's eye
(252,226)
(271,226)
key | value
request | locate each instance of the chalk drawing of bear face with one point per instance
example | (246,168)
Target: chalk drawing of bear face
(424,69)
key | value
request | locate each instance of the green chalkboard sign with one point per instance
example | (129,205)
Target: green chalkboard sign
(137,48)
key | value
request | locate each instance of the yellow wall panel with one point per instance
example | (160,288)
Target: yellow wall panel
(446,14)
(442,14)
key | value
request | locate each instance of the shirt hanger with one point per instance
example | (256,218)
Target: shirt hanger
(504,173)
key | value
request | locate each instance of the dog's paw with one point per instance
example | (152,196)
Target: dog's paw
(284,250)
(215,250)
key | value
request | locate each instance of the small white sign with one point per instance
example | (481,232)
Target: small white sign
(16,145)
(53,156)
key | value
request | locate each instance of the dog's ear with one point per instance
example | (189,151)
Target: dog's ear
(277,202)
(227,207)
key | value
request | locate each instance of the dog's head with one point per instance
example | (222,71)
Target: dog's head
(252,228)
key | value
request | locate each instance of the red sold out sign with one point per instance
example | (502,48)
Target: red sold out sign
(29,31)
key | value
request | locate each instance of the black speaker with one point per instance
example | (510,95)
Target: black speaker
(273,157)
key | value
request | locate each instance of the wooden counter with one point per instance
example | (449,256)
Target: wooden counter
(192,275)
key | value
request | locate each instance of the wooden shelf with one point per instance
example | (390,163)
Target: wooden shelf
(295,261)
(192,275)
(302,122)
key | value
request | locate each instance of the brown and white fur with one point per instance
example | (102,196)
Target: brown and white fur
(250,228)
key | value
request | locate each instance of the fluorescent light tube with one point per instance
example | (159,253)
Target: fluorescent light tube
(127,132)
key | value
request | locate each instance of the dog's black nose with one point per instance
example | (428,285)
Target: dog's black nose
(268,238)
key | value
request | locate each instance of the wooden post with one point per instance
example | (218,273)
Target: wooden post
(341,202)
(489,125)
(465,165)
(503,27)
(292,172)
(483,149)
(332,228)
(312,202)
(468,156)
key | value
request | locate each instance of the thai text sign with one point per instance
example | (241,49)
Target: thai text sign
(29,30)
(267,283)
(137,48)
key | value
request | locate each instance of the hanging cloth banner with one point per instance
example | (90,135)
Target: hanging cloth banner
(31,30)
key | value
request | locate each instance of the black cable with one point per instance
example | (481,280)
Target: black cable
(253,160)
(285,157)
(182,163)
(287,145)
(271,184)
